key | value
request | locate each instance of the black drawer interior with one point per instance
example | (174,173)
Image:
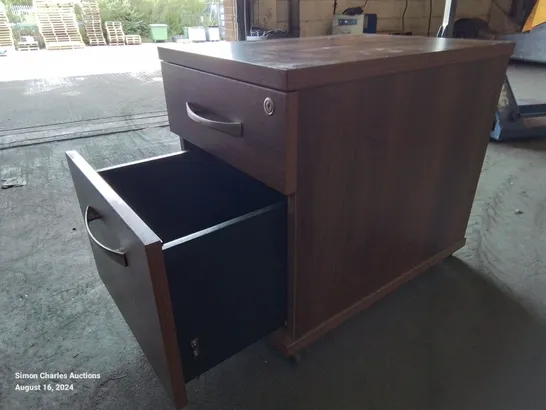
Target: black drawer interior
(228,288)
(187,192)
(225,248)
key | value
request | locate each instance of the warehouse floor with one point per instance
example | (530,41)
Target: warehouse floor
(469,334)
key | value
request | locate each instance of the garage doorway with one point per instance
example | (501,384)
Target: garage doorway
(77,87)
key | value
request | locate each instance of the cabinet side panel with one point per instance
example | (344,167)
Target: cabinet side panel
(387,172)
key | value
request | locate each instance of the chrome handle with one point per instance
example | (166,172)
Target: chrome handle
(232,128)
(117,256)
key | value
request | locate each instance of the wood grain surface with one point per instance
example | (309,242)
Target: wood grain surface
(285,341)
(386,179)
(267,148)
(292,64)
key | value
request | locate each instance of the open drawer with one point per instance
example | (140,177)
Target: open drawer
(194,254)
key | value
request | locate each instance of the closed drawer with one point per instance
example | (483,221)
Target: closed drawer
(196,264)
(249,127)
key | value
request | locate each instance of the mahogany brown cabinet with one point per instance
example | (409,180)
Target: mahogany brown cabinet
(317,175)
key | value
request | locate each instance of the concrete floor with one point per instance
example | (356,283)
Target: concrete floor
(84,62)
(469,334)
(69,101)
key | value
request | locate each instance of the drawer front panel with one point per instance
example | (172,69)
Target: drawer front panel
(221,285)
(249,127)
(228,287)
(134,275)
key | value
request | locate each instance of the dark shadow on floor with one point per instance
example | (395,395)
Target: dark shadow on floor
(537,144)
(452,339)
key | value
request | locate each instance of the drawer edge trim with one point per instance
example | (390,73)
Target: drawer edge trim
(222,225)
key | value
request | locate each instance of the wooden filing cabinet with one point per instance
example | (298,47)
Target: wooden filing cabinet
(317,175)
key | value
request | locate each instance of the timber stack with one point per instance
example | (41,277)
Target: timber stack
(92,22)
(6,35)
(58,25)
(114,32)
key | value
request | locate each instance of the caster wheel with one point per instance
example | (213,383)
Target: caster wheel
(295,359)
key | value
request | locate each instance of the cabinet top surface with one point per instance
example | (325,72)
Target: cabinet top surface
(291,64)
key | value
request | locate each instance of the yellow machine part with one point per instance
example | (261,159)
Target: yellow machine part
(537,16)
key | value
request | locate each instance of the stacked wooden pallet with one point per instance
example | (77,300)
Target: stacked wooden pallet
(6,36)
(114,32)
(57,24)
(92,22)
(133,40)
(28,47)
(28,43)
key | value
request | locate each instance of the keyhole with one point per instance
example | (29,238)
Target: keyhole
(269,106)
(195,347)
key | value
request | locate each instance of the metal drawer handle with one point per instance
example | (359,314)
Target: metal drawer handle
(231,128)
(117,256)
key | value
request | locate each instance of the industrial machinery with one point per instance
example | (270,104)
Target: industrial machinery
(348,24)
(353,22)
(531,42)
(531,45)
(513,121)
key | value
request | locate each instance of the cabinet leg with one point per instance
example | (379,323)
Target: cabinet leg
(187,146)
(295,359)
